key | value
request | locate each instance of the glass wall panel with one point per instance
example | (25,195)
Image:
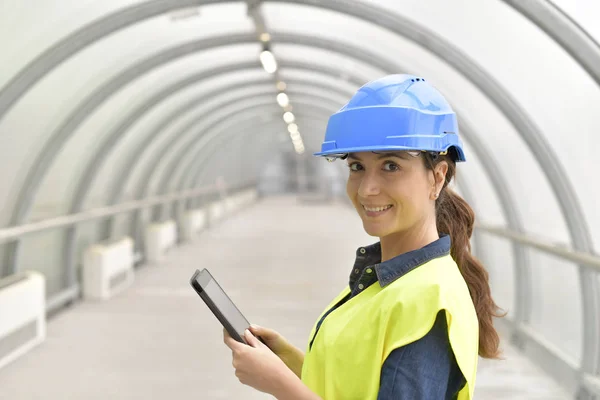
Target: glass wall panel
(557,307)
(36,118)
(497,256)
(42,26)
(136,141)
(43,252)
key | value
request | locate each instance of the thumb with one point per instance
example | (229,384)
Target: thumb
(266,334)
(251,339)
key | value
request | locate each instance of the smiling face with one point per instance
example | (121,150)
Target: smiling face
(393,193)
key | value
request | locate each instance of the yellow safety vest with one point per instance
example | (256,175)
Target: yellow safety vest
(353,342)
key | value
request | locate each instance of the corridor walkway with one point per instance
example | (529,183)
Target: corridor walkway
(158,341)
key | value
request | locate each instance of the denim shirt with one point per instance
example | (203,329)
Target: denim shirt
(427,368)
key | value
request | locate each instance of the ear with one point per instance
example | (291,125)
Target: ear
(439,174)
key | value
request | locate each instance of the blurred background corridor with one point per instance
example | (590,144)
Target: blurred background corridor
(141,140)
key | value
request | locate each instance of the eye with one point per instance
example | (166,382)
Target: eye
(354,167)
(390,166)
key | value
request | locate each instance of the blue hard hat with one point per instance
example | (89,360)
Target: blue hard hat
(396,112)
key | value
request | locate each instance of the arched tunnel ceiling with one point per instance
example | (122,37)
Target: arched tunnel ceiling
(93,90)
(144,10)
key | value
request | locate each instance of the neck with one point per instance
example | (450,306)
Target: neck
(402,242)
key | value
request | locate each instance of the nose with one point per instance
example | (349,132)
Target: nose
(369,185)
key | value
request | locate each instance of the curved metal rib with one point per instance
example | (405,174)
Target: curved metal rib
(564,30)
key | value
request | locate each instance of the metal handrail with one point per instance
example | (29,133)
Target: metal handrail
(560,250)
(15,232)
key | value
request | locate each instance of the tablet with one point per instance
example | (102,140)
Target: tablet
(220,304)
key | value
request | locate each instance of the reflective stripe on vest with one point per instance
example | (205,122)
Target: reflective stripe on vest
(346,356)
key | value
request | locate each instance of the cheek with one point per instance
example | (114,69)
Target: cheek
(411,202)
(351,188)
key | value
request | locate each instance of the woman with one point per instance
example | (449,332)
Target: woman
(418,310)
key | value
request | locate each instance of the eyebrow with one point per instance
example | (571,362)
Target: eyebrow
(381,155)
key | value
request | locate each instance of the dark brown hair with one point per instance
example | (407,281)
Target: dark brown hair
(456,218)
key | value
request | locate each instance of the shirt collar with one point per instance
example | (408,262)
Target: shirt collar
(390,270)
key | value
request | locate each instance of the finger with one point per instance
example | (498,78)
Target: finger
(225,334)
(266,336)
(262,332)
(232,343)
(251,339)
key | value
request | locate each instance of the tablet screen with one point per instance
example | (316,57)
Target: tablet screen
(223,303)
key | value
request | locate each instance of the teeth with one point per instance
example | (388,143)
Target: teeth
(376,209)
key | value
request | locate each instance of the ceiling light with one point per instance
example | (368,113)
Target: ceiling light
(293,128)
(268,61)
(281,86)
(288,117)
(283,100)
(265,37)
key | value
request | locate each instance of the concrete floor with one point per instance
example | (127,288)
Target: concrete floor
(157,340)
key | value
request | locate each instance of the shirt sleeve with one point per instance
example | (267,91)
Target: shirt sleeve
(425,369)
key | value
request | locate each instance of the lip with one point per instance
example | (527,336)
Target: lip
(376,213)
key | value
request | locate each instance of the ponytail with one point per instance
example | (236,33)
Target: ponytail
(455,217)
